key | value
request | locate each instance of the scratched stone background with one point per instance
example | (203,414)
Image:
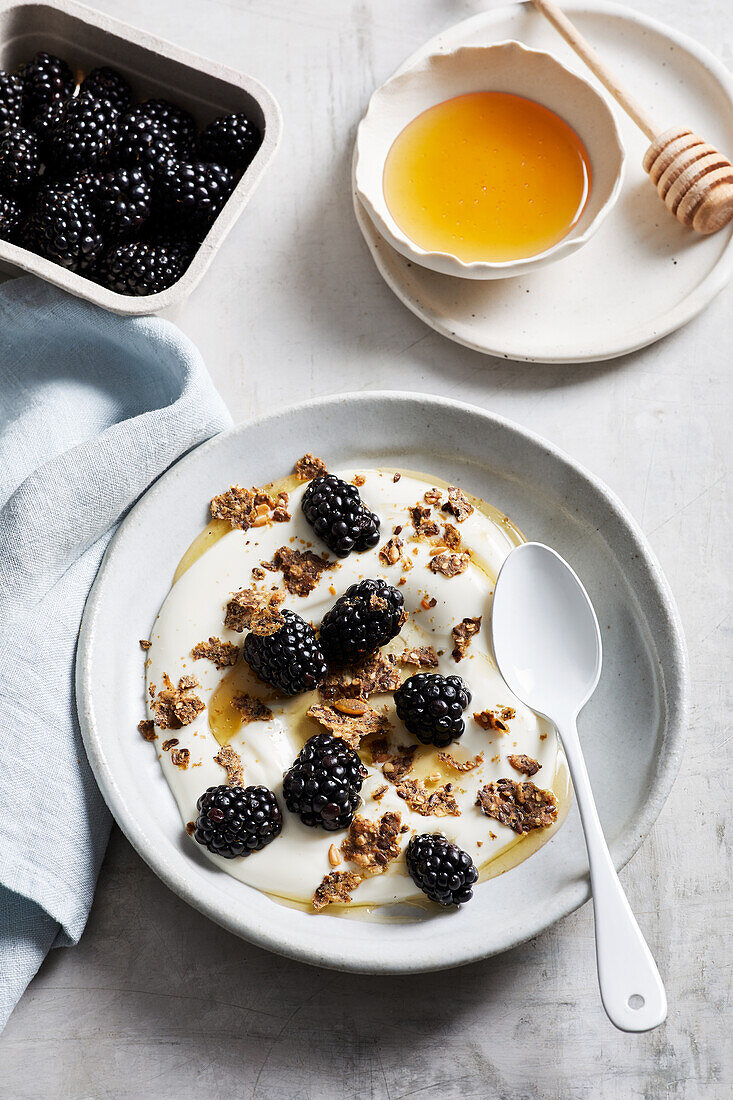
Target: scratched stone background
(158,1002)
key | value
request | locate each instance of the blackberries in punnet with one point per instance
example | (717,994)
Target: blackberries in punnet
(81,133)
(337,514)
(442,870)
(20,161)
(11,98)
(46,80)
(141,267)
(193,191)
(323,786)
(106,83)
(124,201)
(232,140)
(64,229)
(237,821)
(144,143)
(367,616)
(11,219)
(177,121)
(290,659)
(432,706)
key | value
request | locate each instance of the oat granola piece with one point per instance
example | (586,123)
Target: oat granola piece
(350,719)
(280,513)
(181,758)
(176,707)
(398,765)
(231,762)
(523,763)
(379,793)
(489,720)
(379,750)
(308,467)
(461,766)
(438,803)
(449,564)
(223,654)
(371,845)
(146,729)
(419,656)
(424,526)
(336,889)
(300,570)
(391,552)
(452,537)
(458,504)
(237,506)
(145,644)
(521,806)
(432,496)
(251,708)
(376,673)
(462,634)
(259,612)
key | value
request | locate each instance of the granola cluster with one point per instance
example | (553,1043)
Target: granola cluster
(222,654)
(308,467)
(245,508)
(259,612)
(376,674)
(174,707)
(462,634)
(521,806)
(350,719)
(301,570)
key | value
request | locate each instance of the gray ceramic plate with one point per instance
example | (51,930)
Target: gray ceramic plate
(633,729)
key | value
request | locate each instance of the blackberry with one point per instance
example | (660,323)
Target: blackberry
(323,784)
(81,133)
(106,83)
(290,659)
(236,821)
(124,201)
(442,870)
(11,98)
(141,268)
(144,143)
(11,219)
(174,120)
(64,229)
(432,706)
(194,192)
(367,616)
(20,160)
(46,80)
(337,514)
(231,140)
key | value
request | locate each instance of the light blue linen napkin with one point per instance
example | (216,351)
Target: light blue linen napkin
(93,407)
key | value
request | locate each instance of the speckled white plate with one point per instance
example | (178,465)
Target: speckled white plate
(643,275)
(633,729)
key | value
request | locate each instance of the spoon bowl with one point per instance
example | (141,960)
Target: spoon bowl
(547,646)
(549,635)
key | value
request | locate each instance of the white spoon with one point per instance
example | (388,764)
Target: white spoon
(547,645)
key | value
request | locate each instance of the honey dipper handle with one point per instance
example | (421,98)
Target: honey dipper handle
(584,50)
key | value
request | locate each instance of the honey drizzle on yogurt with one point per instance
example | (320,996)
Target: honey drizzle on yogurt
(256,744)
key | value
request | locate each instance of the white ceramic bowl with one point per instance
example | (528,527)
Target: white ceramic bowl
(632,730)
(504,67)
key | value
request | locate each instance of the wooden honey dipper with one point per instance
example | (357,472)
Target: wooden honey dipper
(694,180)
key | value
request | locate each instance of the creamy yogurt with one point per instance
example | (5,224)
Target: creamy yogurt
(293,865)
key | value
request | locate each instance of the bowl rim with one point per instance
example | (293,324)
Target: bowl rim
(30,262)
(316,945)
(438,260)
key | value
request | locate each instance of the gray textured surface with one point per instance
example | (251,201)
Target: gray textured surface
(156,1001)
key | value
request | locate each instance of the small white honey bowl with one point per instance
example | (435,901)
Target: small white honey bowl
(508,67)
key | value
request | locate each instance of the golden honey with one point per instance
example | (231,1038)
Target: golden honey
(487,176)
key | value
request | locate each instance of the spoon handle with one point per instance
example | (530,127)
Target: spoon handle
(631,989)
